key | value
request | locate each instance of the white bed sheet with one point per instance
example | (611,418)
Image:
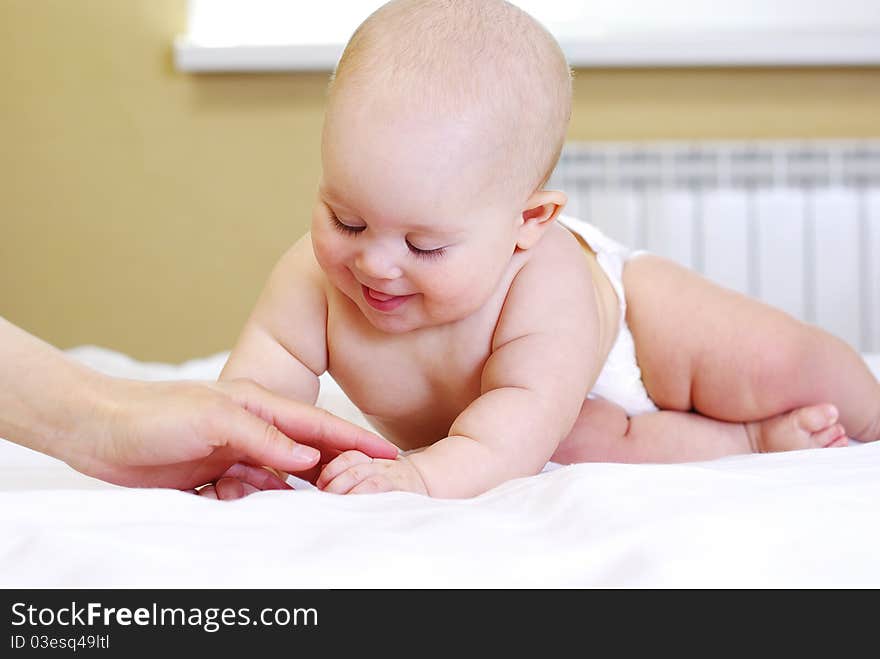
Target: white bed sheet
(798,519)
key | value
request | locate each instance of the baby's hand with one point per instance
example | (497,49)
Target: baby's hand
(353,472)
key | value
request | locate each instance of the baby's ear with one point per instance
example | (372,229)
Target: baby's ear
(541,209)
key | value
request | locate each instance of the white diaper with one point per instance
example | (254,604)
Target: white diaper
(621,378)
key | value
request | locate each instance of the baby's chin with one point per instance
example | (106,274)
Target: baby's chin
(397,322)
(392,324)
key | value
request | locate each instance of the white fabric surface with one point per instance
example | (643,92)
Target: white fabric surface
(798,519)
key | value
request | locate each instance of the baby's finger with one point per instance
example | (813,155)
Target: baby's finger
(373,485)
(340,464)
(350,478)
(311,474)
(329,455)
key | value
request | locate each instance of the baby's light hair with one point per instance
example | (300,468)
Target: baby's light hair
(483,60)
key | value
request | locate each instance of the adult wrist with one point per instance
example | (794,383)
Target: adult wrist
(80,418)
(48,402)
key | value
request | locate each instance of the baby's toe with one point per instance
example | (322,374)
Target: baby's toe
(816,418)
(829,437)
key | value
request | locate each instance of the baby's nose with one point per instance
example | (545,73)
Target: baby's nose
(377,263)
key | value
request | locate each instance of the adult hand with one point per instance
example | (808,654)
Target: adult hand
(186,434)
(161,434)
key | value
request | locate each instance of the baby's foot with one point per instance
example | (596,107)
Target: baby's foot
(806,427)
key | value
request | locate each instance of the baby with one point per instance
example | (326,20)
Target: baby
(478,328)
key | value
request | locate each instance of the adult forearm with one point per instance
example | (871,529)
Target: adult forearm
(44,395)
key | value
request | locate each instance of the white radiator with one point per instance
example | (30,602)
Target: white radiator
(795,224)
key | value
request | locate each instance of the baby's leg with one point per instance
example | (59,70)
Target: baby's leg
(603,433)
(727,356)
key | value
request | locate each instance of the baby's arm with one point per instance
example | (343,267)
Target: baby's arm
(533,385)
(532,388)
(283,344)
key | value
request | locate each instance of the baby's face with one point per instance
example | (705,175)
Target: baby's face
(408,223)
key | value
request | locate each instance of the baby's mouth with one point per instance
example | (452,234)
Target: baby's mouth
(383,301)
(381,297)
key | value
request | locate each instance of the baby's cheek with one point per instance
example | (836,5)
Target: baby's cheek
(331,260)
(458,294)
(323,252)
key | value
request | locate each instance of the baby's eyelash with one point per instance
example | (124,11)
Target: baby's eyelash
(344,228)
(353,231)
(426,253)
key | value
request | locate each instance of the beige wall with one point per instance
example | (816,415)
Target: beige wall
(142,208)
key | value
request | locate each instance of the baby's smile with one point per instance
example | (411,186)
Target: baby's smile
(382,301)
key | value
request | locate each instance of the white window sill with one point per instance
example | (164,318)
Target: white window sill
(843,48)
(196,58)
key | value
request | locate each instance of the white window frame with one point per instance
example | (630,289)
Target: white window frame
(294,35)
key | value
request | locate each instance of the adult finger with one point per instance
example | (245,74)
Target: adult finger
(207,491)
(263,443)
(309,424)
(229,488)
(260,478)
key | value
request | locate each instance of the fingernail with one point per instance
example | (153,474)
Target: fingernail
(306,453)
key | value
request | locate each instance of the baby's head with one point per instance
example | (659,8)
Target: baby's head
(445,119)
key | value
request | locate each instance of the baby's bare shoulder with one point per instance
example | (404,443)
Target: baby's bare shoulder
(553,290)
(298,278)
(300,257)
(547,335)
(559,254)
(293,304)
